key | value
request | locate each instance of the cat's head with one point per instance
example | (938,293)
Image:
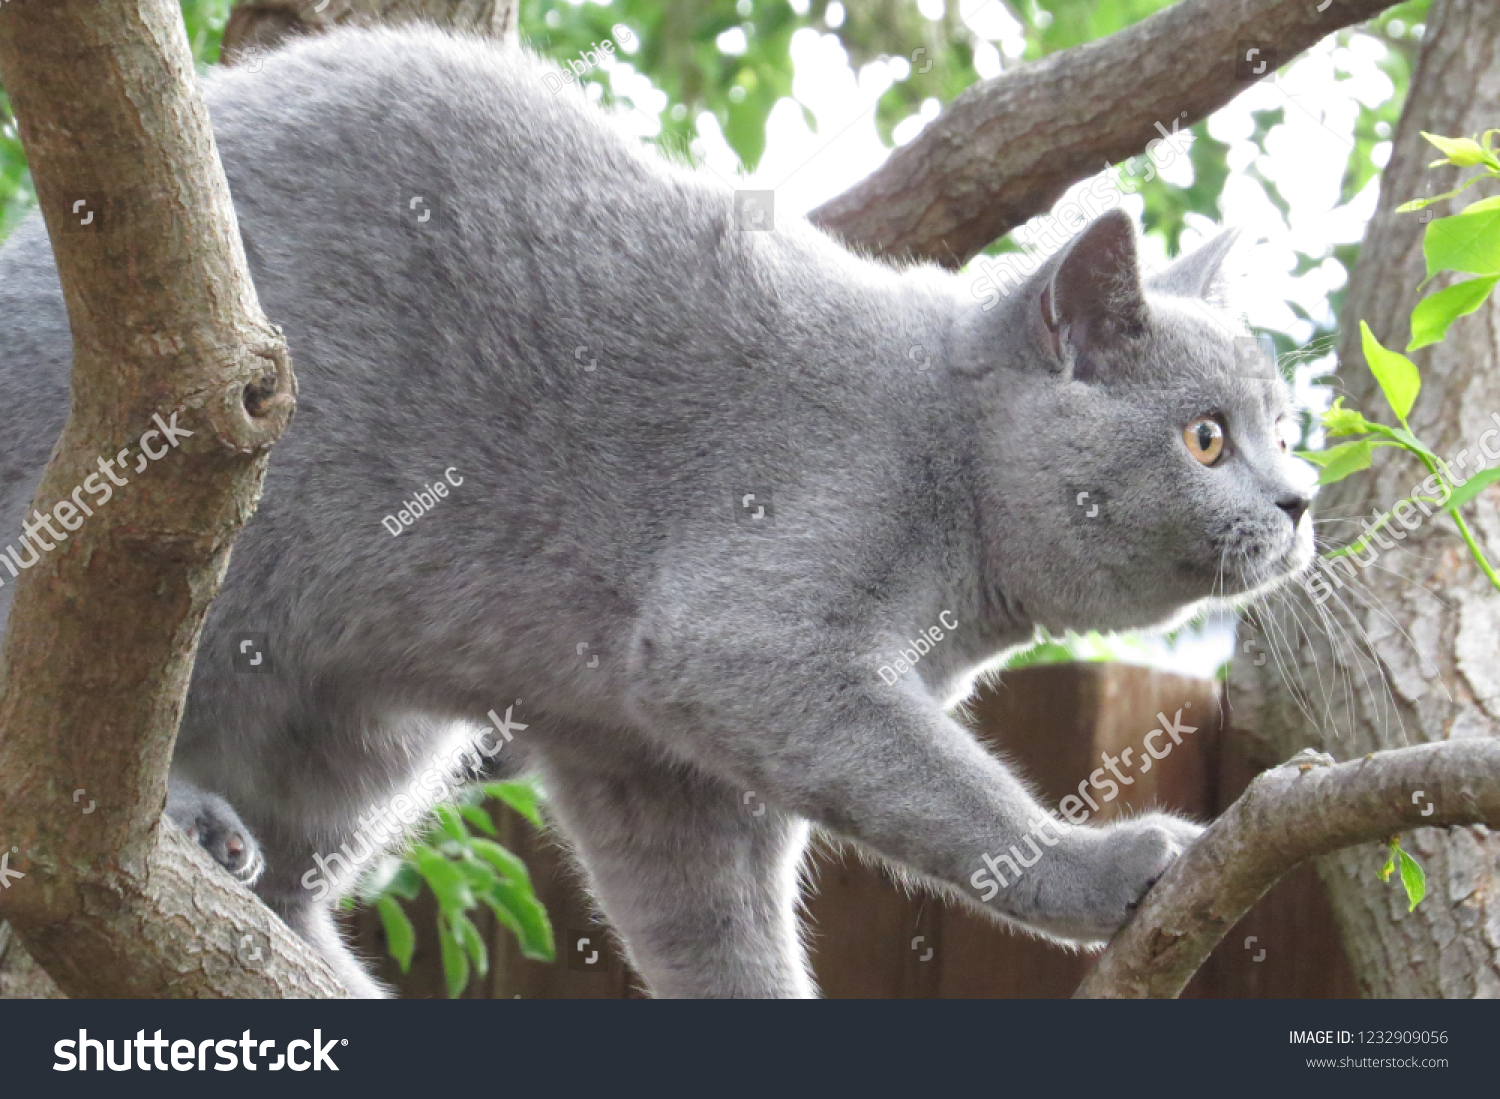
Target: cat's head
(1138,459)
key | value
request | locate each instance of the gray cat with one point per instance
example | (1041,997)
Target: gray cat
(672,493)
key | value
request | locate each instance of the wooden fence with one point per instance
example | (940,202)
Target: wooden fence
(870,937)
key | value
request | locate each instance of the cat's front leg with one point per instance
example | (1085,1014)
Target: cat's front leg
(1088,893)
(884,765)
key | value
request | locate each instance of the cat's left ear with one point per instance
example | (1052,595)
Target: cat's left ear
(1200,273)
(1091,297)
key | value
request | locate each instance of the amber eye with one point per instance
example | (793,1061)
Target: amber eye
(1205,439)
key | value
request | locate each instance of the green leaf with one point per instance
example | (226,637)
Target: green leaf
(1464,152)
(1467,241)
(455,961)
(1406,439)
(448,819)
(1398,376)
(1344,459)
(479,875)
(508,866)
(1339,420)
(400,936)
(506,918)
(478,818)
(1422,203)
(1433,314)
(473,943)
(1323,457)
(407,883)
(745,130)
(1413,878)
(520,796)
(1473,487)
(1384,873)
(528,918)
(446,880)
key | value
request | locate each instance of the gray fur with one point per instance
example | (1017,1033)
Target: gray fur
(582,333)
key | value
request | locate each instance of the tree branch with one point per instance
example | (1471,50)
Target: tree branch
(103,628)
(1007,148)
(1306,807)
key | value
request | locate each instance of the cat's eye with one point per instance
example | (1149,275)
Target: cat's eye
(1205,439)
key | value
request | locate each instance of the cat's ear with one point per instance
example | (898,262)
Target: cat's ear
(1092,297)
(1200,273)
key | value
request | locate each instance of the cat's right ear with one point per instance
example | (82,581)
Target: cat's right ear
(1090,297)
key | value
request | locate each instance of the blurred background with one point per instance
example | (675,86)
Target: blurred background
(806,97)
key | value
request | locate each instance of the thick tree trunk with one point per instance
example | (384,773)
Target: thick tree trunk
(265,24)
(258,23)
(103,630)
(1438,673)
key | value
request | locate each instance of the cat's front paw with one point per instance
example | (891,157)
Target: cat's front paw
(1135,854)
(211,821)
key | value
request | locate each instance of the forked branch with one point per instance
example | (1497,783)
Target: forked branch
(1306,807)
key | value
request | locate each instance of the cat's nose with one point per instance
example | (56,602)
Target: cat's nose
(1294,504)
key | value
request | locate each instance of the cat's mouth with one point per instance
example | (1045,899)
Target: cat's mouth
(1243,577)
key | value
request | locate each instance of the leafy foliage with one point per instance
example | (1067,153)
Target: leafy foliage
(16,195)
(679,47)
(1468,241)
(677,44)
(1090,646)
(464,869)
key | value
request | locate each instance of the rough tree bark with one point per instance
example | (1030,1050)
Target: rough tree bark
(20,977)
(255,24)
(103,631)
(265,24)
(1438,649)
(1006,149)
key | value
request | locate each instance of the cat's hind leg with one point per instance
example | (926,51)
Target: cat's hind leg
(314,922)
(211,821)
(700,880)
